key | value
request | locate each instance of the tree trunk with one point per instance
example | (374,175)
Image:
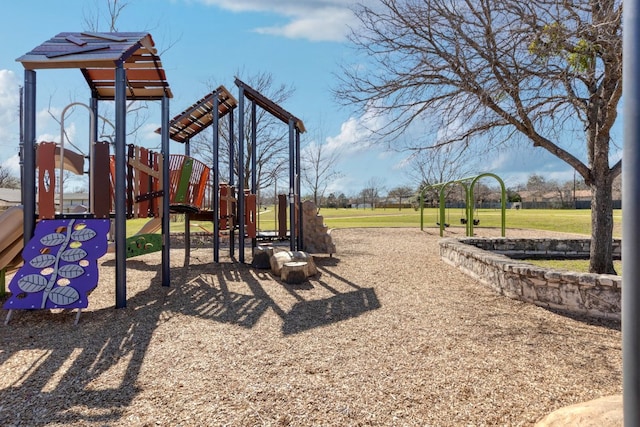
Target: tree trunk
(601,252)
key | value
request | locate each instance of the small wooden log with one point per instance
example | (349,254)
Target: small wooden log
(294,272)
(262,257)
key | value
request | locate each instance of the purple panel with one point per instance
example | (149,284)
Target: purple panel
(60,264)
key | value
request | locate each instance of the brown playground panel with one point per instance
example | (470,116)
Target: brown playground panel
(228,210)
(188,179)
(188,183)
(48,156)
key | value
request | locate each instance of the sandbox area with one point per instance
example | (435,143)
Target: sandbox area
(386,334)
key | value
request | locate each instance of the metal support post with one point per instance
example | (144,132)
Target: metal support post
(631,204)
(29,156)
(240,193)
(120,186)
(166,237)
(216,178)
(292,187)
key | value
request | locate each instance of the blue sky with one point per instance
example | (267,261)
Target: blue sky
(300,42)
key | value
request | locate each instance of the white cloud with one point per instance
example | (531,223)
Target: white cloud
(513,163)
(351,138)
(148,132)
(451,131)
(344,184)
(9,104)
(516,164)
(47,128)
(328,24)
(13,164)
(315,20)
(357,133)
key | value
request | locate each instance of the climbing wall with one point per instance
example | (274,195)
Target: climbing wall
(316,235)
(60,265)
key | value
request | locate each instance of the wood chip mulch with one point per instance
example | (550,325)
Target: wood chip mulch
(386,335)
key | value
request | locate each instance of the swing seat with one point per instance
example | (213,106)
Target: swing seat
(445,224)
(476,221)
(463,220)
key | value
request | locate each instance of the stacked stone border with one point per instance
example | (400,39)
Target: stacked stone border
(496,262)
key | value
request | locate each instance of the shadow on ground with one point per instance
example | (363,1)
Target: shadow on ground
(50,381)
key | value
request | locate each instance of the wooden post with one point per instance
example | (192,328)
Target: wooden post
(294,272)
(102,196)
(46,180)
(250,215)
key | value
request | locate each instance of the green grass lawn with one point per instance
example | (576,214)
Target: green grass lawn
(570,220)
(579,265)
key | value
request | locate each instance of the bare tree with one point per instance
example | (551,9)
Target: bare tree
(440,164)
(401,193)
(371,192)
(542,189)
(8,179)
(561,192)
(481,194)
(137,112)
(537,186)
(94,18)
(342,201)
(319,168)
(272,137)
(543,70)
(107,13)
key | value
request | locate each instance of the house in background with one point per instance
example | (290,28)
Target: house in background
(578,199)
(73,202)
(10,197)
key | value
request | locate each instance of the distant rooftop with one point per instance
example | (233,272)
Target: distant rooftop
(10,195)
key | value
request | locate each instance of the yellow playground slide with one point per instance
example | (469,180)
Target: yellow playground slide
(150,227)
(11,240)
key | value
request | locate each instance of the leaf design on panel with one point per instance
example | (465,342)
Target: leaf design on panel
(64,295)
(83,235)
(70,271)
(73,255)
(42,261)
(53,239)
(32,283)
(60,264)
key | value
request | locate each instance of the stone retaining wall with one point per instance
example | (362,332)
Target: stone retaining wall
(541,248)
(595,295)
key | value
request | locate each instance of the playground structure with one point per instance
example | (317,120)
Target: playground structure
(123,67)
(117,67)
(296,127)
(233,209)
(468,184)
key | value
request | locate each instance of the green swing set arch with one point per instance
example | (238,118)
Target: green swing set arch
(468,183)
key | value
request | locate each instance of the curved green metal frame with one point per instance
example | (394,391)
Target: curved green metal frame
(469,202)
